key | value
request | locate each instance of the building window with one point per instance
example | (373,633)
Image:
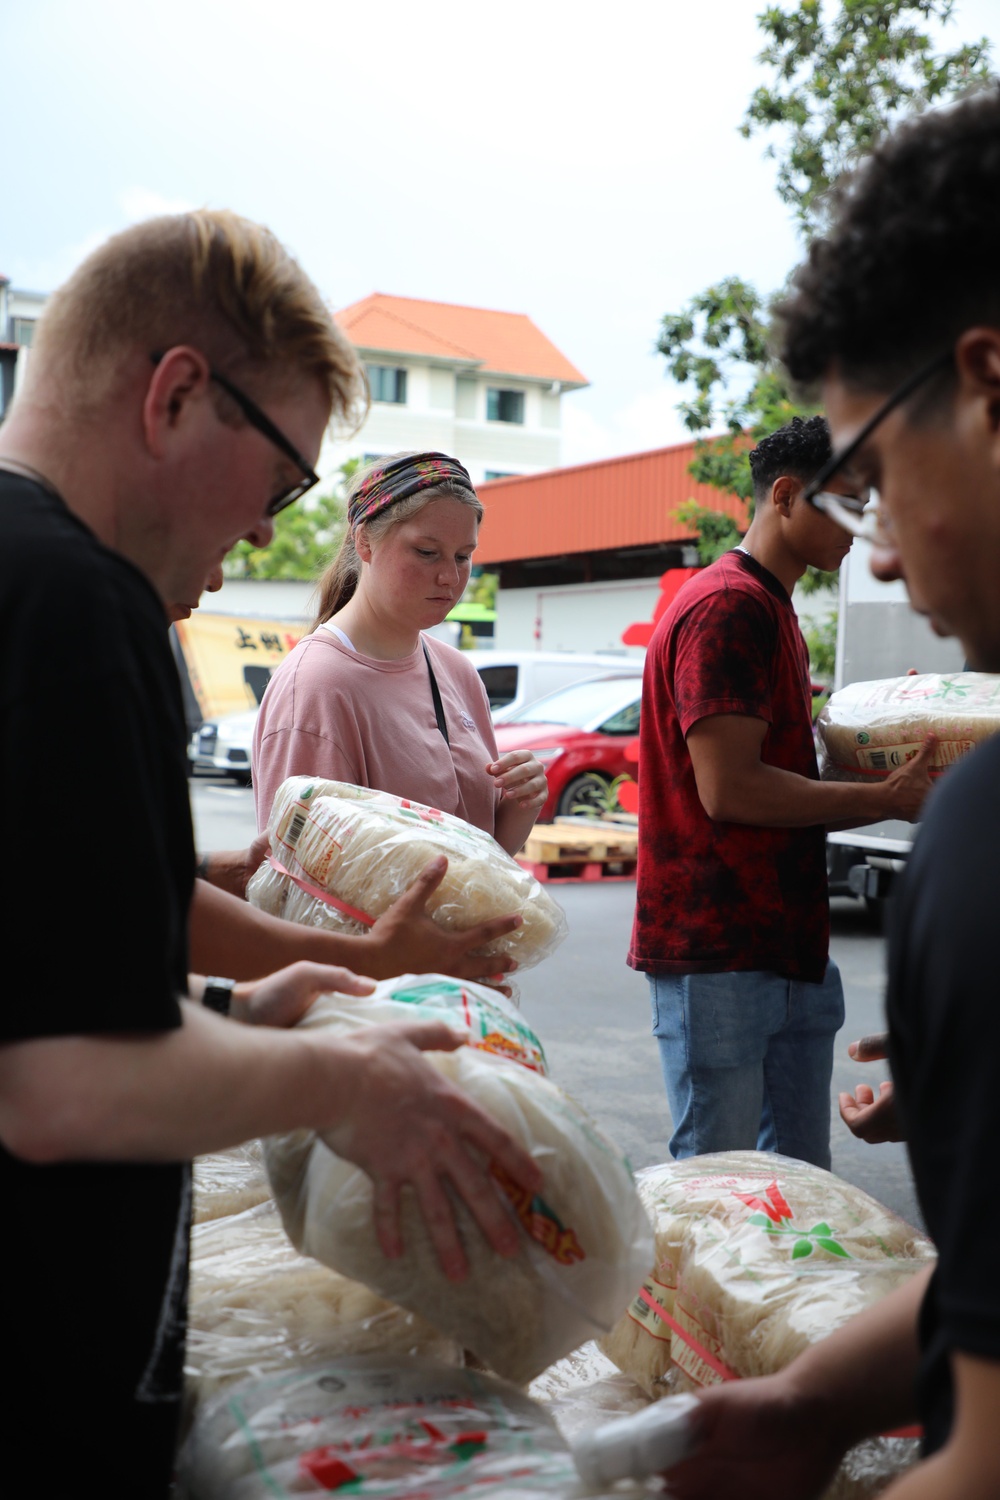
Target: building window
(504,406)
(387,384)
(24,331)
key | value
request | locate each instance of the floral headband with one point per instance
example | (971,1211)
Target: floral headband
(394,479)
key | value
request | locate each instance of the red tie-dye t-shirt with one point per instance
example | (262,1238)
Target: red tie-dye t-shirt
(714,896)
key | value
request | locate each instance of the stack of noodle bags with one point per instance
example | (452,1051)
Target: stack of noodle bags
(227,1182)
(757,1258)
(257,1307)
(279,1401)
(868,729)
(381,1428)
(342,854)
(585,1240)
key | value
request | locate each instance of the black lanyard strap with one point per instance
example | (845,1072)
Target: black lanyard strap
(436,695)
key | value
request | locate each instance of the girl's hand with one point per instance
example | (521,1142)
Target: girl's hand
(521,778)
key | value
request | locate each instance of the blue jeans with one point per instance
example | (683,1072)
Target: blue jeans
(747,1059)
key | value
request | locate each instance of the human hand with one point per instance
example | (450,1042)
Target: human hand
(406,939)
(870,1119)
(520,777)
(908,786)
(231,869)
(757,1440)
(254,858)
(407,1126)
(283,998)
(870,1048)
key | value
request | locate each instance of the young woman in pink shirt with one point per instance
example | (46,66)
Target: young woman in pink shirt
(367,697)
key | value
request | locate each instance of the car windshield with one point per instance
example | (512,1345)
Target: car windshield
(611,704)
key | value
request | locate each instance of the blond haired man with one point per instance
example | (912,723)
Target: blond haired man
(175,402)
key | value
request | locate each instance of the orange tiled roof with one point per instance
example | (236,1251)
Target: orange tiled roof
(617,502)
(498,343)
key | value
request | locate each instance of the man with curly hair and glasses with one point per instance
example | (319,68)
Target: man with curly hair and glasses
(896,317)
(732,920)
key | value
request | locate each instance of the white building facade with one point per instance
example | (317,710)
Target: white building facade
(19,312)
(484,386)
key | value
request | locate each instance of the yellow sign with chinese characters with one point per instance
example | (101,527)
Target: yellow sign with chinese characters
(229,658)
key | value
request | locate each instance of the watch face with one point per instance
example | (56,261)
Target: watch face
(218,995)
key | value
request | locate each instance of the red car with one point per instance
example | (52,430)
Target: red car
(579,733)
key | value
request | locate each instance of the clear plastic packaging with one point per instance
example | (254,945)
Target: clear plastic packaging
(257,1307)
(227,1182)
(757,1258)
(365,848)
(635,1447)
(491,1022)
(579,1370)
(585,1241)
(377,1428)
(867,1469)
(868,729)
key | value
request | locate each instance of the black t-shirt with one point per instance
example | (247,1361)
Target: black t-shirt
(99,872)
(944,1017)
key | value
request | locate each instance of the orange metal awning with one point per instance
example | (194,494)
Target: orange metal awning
(616,503)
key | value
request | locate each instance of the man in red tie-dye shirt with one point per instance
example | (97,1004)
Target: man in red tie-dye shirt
(732,912)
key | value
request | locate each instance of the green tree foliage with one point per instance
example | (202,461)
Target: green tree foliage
(840,78)
(306,535)
(482,588)
(716,532)
(821,638)
(839,84)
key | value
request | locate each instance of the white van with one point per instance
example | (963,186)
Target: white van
(513,679)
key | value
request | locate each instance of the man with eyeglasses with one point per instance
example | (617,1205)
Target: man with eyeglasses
(896,316)
(732,920)
(133,459)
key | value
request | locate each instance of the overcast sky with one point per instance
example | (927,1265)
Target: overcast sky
(575,161)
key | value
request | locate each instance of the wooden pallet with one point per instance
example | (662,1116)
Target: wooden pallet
(567,851)
(559,874)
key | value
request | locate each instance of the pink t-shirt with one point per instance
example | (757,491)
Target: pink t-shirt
(331,712)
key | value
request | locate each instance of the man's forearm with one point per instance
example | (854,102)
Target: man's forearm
(168,1096)
(768,797)
(224,868)
(863,1377)
(735,785)
(229,936)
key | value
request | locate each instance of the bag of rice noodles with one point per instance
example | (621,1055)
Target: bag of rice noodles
(257,1306)
(376,1427)
(342,854)
(868,729)
(585,1240)
(227,1182)
(757,1257)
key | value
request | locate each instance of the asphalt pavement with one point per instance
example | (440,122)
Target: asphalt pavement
(592,1012)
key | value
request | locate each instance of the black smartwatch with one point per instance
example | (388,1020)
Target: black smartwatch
(218,995)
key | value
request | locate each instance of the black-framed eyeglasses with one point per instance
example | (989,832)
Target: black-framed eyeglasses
(262,422)
(861,515)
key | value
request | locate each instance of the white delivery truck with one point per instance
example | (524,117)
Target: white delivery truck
(878,635)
